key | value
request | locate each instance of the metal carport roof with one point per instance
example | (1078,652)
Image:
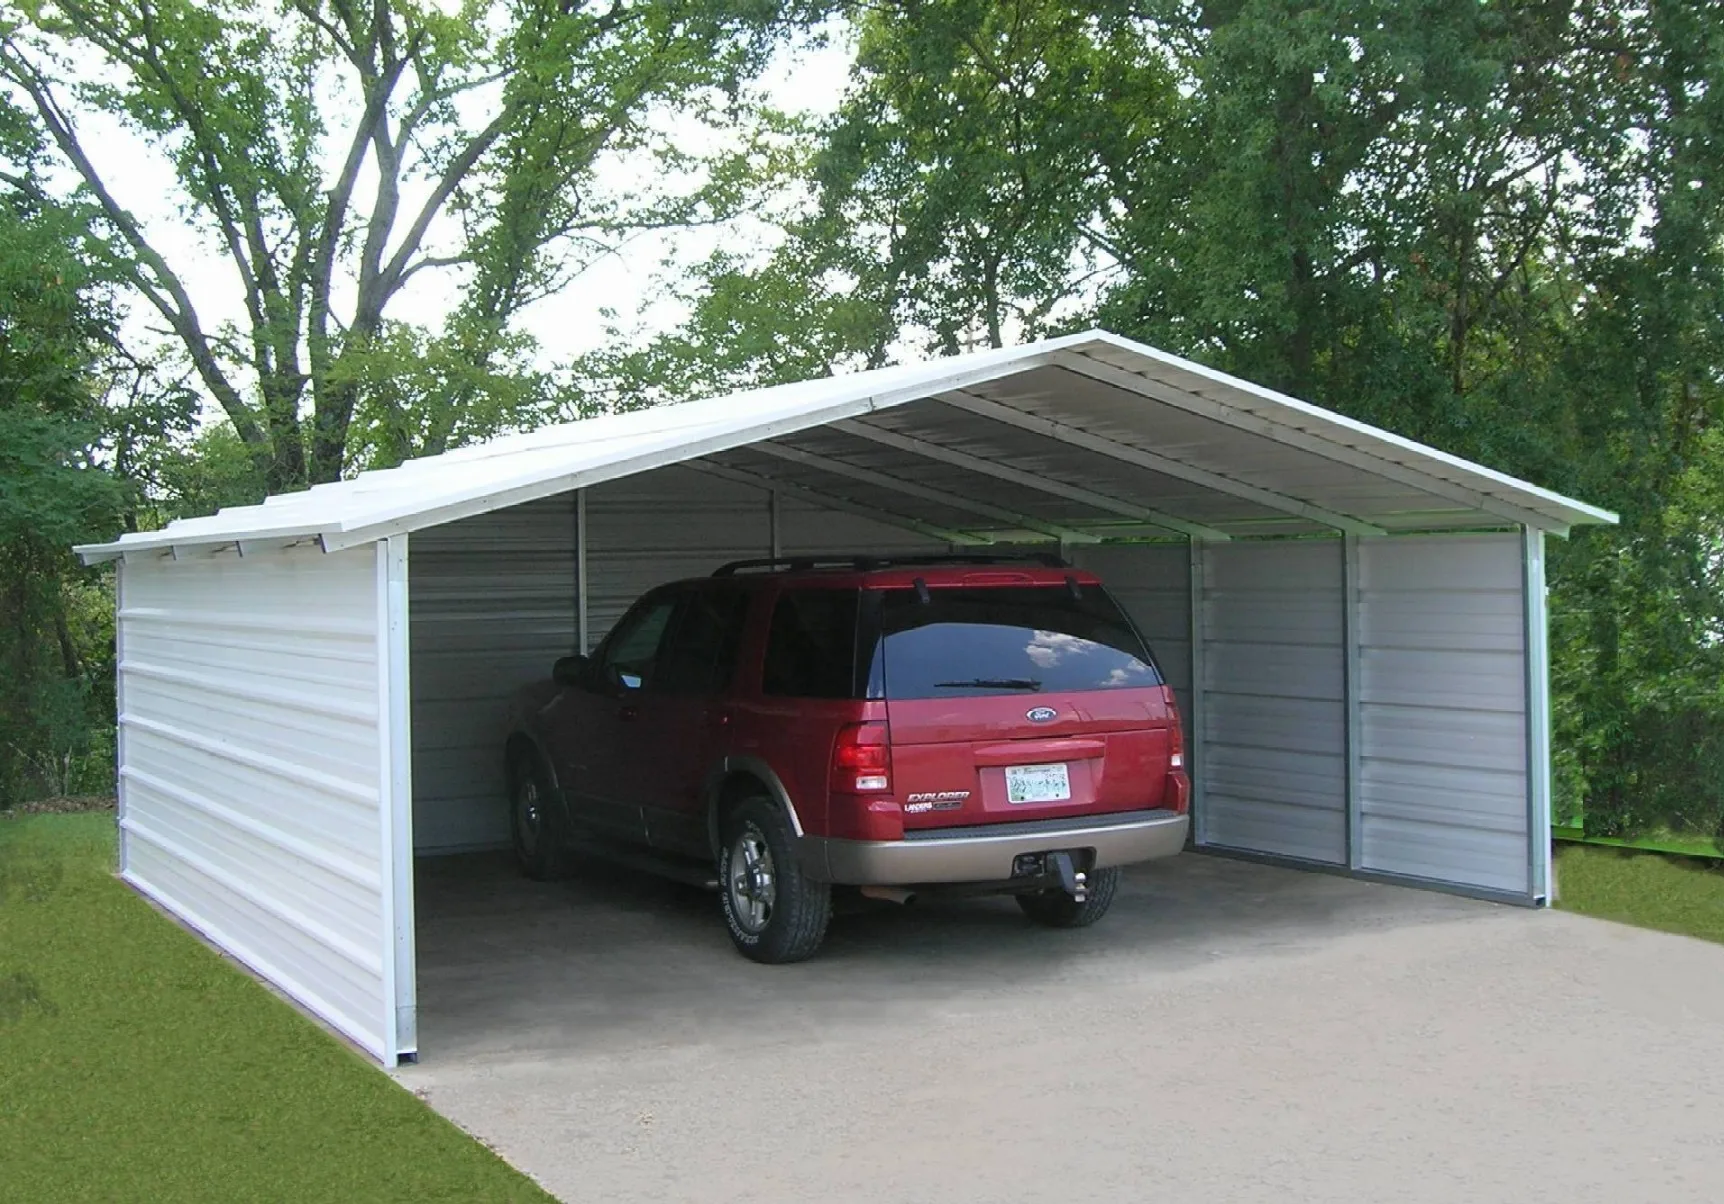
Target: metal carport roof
(1079,438)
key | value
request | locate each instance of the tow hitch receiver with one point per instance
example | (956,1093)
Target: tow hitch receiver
(1061,865)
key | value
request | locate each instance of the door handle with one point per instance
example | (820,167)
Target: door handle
(628,712)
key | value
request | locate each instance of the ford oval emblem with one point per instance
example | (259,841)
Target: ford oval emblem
(1041,714)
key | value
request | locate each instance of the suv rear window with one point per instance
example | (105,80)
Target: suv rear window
(988,640)
(811,648)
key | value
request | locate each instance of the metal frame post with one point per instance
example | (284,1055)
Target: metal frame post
(1350,643)
(1197,719)
(581,571)
(395,803)
(120,709)
(775,545)
(1538,769)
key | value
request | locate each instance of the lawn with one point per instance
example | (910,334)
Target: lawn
(1651,890)
(137,1064)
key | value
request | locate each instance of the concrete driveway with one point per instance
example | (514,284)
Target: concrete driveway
(1231,1032)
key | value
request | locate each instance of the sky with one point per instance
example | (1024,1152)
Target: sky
(803,79)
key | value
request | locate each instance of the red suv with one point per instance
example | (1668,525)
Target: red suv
(980,724)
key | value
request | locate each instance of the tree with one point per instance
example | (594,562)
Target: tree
(337,153)
(53,331)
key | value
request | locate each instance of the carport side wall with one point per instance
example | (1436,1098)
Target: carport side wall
(495,600)
(252,768)
(1363,705)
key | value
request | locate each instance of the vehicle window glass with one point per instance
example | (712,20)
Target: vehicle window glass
(701,654)
(633,646)
(811,649)
(977,642)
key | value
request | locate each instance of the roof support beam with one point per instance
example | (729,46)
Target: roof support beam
(1166,465)
(869,476)
(842,504)
(1256,424)
(1028,480)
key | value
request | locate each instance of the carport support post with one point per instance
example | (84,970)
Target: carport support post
(1197,718)
(1537,717)
(581,571)
(395,804)
(1350,641)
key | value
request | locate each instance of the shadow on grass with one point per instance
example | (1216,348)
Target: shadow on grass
(1650,890)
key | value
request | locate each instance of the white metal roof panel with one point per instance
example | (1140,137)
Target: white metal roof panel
(1249,460)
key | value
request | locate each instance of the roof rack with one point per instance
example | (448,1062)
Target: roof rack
(866,563)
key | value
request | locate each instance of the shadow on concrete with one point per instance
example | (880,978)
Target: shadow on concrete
(610,957)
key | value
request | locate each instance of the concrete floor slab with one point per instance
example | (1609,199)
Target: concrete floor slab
(1230,1032)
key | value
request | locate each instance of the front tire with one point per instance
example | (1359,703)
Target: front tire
(1057,909)
(535,822)
(774,912)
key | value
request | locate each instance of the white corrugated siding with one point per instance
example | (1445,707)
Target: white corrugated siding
(1273,763)
(251,767)
(495,603)
(1443,789)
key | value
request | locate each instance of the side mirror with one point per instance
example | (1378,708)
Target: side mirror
(571,670)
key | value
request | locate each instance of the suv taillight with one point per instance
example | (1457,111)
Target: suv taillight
(862,760)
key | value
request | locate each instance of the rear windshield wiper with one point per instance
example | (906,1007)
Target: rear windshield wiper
(991,683)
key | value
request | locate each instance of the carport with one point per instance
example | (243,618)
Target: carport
(312,691)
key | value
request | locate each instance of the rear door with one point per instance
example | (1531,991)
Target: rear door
(1017,702)
(685,718)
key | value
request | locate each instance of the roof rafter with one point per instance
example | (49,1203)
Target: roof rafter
(869,476)
(833,502)
(1166,465)
(1029,480)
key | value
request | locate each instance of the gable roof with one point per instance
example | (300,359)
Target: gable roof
(1110,435)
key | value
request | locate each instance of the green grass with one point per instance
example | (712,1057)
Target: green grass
(137,1064)
(1651,890)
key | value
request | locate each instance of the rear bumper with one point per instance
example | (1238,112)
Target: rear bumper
(985,854)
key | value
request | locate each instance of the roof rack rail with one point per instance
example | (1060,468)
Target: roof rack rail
(865,563)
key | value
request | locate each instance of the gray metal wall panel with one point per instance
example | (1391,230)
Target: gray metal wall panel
(492,606)
(252,767)
(1153,583)
(1274,760)
(1443,789)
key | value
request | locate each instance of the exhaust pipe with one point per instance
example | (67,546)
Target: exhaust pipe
(890,894)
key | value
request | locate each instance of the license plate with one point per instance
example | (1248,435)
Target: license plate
(1037,783)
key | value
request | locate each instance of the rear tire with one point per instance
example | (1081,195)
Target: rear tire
(1057,909)
(536,827)
(774,912)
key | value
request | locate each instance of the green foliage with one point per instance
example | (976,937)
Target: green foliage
(52,494)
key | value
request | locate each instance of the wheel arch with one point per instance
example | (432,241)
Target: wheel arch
(737,777)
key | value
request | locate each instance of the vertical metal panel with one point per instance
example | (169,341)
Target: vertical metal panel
(493,605)
(1197,764)
(1537,715)
(251,763)
(1443,678)
(1273,713)
(400,973)
(1350,635)
(583,628)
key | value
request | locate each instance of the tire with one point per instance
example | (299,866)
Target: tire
(775,914)
(1056,909)
(536,827)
